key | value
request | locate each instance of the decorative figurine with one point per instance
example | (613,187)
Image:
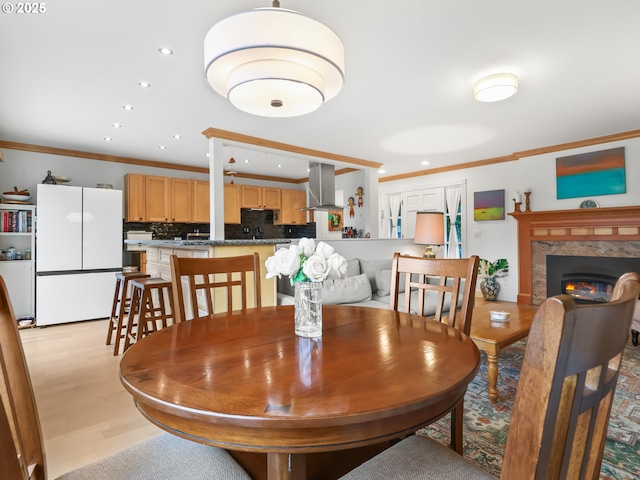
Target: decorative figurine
(351,201)
(49,179)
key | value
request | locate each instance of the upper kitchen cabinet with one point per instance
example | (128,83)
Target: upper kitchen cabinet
(135,202)
(231,203)
(157,199)
(181,200)
(201,202)
(252,196)
(166,199)
(292,203)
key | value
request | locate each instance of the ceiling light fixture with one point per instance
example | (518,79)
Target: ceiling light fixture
(165,51)
(116,125)
(177,136)
(162,147)
(144,84)
(494,88)
(274,62)
(108,139)
(127,107)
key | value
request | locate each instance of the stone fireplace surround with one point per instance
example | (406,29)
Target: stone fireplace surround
(602,232)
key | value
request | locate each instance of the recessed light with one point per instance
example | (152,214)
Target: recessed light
(207,154)
(165,51)
(127,107)
(279,166)
(425,162)
(116,125)
(177,136)
(108,139)
(246,161)
(144,84)
(382,170)
(162,147)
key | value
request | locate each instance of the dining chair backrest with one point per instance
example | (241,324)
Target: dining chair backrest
(203,286)
(451,281)
(22,452)
(567,382)
(558,425)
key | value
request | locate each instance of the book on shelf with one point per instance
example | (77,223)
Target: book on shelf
(15,221)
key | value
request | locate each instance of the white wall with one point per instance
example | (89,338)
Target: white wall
(498,238)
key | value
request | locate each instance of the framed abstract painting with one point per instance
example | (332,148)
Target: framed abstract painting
(488,205)
(589,174)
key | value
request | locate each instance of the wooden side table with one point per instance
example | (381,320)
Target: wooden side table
(491,336)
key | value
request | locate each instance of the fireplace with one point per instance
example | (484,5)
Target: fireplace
(600,233)
(588,279)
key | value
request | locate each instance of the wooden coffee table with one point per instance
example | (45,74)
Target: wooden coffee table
(491,336)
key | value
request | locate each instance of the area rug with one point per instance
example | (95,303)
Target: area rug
(486,425)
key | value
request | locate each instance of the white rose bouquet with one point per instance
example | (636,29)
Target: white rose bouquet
(306,262)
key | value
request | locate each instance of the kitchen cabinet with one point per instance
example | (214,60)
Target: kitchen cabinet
(134,200)
(181,200)
(156,198)
(292,203)
(267,198)
(231,203)
(17,229)
(201,202)
(166,199)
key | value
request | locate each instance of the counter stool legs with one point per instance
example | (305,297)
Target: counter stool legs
(120,307)
(149,312)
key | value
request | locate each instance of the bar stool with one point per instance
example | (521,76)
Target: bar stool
(149,312)
(120,307)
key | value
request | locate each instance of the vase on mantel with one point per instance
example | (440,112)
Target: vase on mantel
(489,288)
(308,309)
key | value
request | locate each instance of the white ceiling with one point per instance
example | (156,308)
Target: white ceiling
(408,97)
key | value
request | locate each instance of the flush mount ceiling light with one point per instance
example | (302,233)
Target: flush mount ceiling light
(494,88)
(274,62)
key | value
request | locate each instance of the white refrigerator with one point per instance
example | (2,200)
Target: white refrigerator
(78,252)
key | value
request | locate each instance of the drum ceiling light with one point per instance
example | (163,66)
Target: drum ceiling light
(274,62)
(494,88)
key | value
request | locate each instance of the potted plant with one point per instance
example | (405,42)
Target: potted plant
(488,271)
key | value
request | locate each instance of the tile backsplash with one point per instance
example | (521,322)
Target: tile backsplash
(255,224)
(259,224)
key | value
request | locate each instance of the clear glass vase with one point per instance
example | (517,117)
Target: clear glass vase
(308,309)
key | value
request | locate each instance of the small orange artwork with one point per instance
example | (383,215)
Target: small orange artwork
(351,201)
(335,220)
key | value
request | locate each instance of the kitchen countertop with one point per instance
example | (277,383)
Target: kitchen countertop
(192,243)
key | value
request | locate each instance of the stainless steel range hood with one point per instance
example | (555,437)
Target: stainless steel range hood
(322,187)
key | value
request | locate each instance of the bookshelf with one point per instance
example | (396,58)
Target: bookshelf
(17,231)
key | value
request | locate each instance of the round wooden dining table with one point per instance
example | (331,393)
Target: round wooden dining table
(245,382)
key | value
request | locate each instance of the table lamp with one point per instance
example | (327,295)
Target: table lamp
(429,231)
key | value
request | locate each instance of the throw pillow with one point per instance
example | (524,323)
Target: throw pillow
(370,267)
(383,282)
(346,290)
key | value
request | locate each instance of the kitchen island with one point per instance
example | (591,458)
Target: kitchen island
(158,254)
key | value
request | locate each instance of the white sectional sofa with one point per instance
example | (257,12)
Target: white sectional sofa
(368,283)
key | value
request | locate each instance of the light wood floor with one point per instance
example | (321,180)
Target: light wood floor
(85,412)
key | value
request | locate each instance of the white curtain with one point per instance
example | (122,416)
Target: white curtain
(452,197)
(394,206)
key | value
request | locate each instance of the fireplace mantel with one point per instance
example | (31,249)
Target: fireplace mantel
(611,223)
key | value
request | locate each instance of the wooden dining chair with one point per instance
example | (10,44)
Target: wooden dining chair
(202,286)
(445,282)
(563,401)
(22,456)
